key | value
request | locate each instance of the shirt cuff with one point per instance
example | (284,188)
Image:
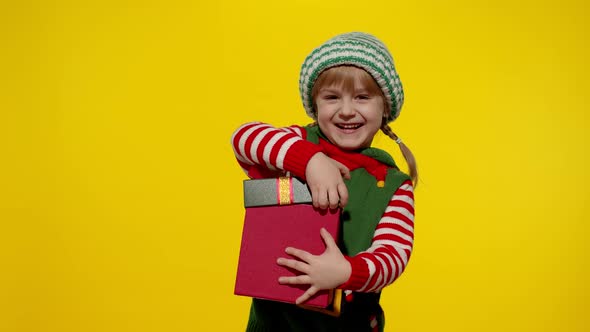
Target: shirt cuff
(358,276)
(298,156)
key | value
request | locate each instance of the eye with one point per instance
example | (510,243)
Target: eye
(363,97)
(330,97)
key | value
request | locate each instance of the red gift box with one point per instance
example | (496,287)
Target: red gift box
(279,214)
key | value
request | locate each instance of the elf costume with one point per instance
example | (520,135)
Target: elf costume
(378,221)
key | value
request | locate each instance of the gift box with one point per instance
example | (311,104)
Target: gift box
(279,214)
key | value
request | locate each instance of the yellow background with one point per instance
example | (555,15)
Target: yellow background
(120,201)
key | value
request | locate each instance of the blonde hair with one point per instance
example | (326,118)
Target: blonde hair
(345,77)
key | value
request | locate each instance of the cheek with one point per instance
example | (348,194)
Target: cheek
(374,113)
(380,112)
(322,119)
(324,113)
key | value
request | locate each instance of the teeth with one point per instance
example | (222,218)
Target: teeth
(349,126)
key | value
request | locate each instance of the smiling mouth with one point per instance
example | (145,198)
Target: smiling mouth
(349,126)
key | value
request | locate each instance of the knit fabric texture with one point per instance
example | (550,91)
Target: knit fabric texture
(354,49)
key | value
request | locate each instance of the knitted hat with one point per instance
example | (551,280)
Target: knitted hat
(356,49)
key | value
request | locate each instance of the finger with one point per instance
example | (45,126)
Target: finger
(344,171)
(343,194)
(333,197)
(328,239)
(298,280)
(315,197)
(294,264)
(323,199)
(308,294)
(301,254)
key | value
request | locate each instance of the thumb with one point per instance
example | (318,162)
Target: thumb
(328,239)
(344,171)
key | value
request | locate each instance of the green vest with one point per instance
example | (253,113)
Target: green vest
(366,204)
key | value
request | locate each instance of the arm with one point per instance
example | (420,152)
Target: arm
(263,151)
(388,256)
(368,271)
(285,149)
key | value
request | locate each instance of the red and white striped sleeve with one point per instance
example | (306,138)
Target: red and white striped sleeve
(285,149)
(388,256)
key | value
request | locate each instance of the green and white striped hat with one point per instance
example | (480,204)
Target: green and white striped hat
(355,49)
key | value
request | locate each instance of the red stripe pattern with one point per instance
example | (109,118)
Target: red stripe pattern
(259,145)
(393,240)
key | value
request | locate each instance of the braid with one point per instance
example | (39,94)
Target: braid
(410,160)
(386,129)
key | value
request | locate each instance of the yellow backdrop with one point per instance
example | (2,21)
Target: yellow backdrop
(120,201)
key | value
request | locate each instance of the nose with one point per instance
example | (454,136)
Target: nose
(347,109)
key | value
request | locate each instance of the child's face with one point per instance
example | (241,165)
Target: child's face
(351,117)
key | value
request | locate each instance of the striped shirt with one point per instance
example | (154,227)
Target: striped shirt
(260,147)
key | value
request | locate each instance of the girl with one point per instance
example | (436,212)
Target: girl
(350,87)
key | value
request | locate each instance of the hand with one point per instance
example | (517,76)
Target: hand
(324,178)
(326,271)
